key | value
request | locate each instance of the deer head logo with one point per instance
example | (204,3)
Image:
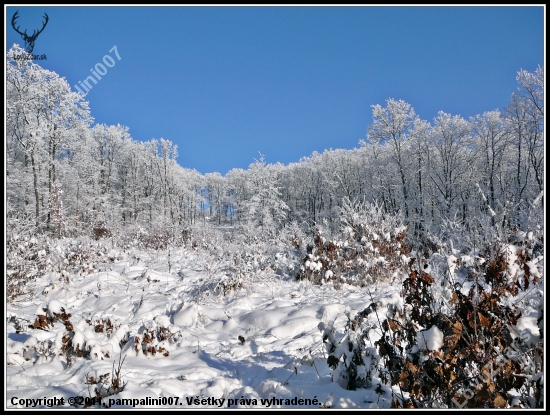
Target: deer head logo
(29,40)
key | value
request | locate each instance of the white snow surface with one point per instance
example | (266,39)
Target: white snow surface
(257,343)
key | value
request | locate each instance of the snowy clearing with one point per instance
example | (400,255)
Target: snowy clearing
(257,344)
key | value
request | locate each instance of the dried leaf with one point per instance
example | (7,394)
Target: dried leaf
(500,402)
(452,376)
(458,328)
(454,298)
(427,278)
(414,369)
(394,325)
(485,322)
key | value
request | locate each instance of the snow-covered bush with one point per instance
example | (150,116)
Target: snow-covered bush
(30,256)
(351,360)
(91,339)
(476,348)
(154,337)
(371,248)
(100,230)
(233,261)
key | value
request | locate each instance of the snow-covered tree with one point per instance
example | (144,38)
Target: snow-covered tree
(450,158)
(42,112)
(265,210)
(393,125)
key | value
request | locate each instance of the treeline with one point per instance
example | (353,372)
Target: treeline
(65,176)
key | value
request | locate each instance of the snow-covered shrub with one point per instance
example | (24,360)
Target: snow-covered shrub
(371,248)
(155,337)
(100,230)
(106,385)
(478,351)
(352,362)
(156,239)
(93,339)
(288,249)
(233,261)
(162,235)
(30,257)
(18,272)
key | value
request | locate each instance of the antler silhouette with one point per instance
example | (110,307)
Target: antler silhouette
(29,40)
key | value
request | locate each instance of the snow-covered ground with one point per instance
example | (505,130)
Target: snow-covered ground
(255,347)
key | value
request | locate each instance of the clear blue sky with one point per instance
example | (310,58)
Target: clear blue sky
(226,82)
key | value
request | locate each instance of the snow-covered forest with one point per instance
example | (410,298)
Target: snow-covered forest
(407,272)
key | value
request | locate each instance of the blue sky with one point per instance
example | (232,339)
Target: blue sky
(224,83)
